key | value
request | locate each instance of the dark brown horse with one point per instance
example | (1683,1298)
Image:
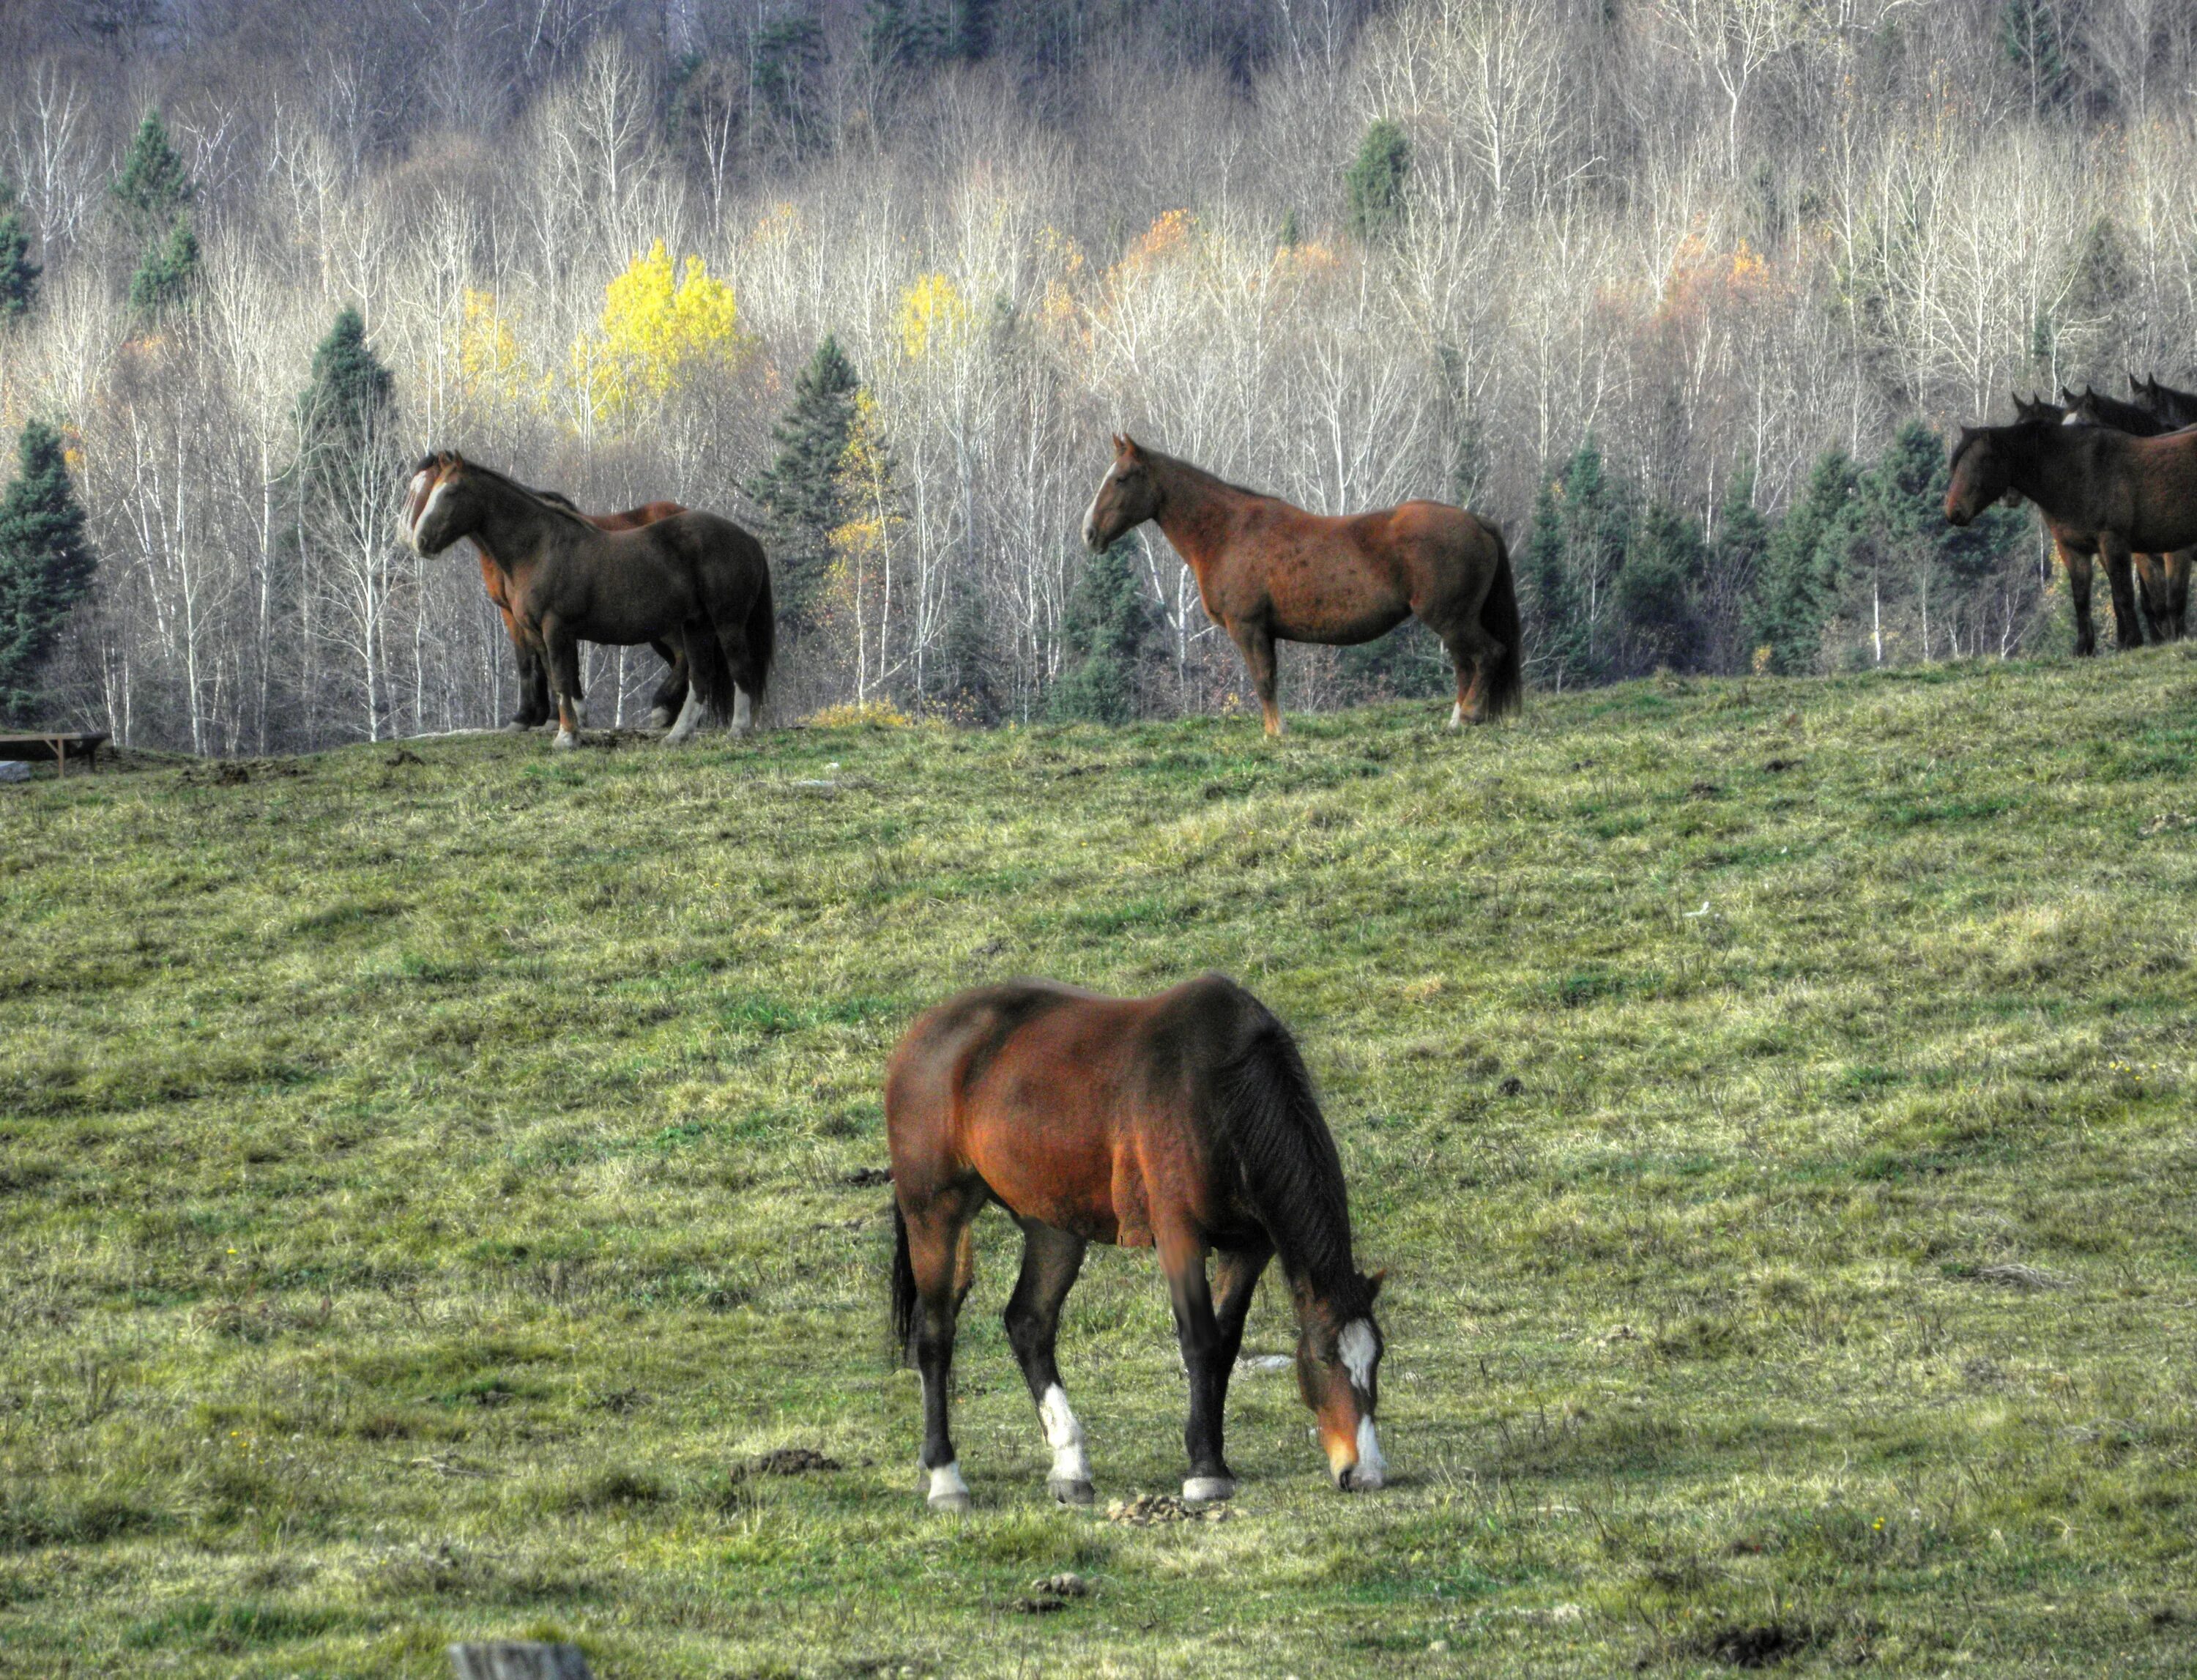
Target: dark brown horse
(2038,408)
(2164,578)
(534,708)
(694,581)
(1184,1121)
(2177,409)
(1270,572)
(2104,495)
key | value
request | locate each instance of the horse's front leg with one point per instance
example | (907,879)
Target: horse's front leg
(1473,651)
(1050,1259)
(564,661)
(1182,1257)
(1255,642)
(2077,562)
(2128,627)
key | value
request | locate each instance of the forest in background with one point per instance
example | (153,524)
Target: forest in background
(1684,294)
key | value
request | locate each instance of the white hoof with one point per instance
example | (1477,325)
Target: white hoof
(566,740)
(1457,717)
(1207,1490)
(1069,1493)
(659,717)
(515,728)
(948,1492)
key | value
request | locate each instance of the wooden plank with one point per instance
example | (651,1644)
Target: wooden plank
(518,1659)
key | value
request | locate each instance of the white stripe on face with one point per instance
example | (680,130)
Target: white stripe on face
(427,512)
(1372,1470)
(1091,513)
(412,492)
(1359,1347)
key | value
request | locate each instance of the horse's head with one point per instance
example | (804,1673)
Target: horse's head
(1338,1374)
(1127,497)
(2036,408)
(1981,474)
(435,503)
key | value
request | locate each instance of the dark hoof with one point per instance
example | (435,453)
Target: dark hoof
(1070,1492)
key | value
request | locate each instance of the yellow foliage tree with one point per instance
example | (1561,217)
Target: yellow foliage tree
(933,313)
(661,330)
(491,366)
(865,549)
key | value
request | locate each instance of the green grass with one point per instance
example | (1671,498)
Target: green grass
(422,1186)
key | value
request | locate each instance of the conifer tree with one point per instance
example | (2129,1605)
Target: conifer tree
(19,274)
(153,188)
(347,409)
(800,494)
(1657,588)
(1375,181)
(165,277)
(1107,626)
(1796,587)
(1574,552)
(46,564)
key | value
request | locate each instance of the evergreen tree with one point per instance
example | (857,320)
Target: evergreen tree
(1911,562)
(1796,587)
(1743,537)
(1657,589)
(46,564)
(153,188)
(1107,626)
(1375,181)
(19,274)
(348,408)
(1574,552)
(165,277)
(800,495)
(966,684)
(2032,34)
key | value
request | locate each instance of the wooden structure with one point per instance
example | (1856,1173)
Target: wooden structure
(59,745)
(518,1659)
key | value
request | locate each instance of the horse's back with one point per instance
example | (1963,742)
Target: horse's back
(1064,1102)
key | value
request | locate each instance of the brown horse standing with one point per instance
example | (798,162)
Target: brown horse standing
(1184,1120)
(2177,408)
(694,581)
(535,709)
(1270,572)
(2103,493)
(2165,578)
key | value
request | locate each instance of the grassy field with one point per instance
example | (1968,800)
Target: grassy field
(427,1188)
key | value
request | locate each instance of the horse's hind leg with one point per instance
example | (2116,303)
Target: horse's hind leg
(2177,593)
(1050,1259)
(937,1253)
(1182,1256)
(671,698)
(692,710)
(1472,652)
(2151,576)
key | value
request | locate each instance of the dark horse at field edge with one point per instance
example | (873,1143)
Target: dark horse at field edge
(2164,579)
(2104,495)
(694,582)
(1184,1121)
(1268,571)
(534,706)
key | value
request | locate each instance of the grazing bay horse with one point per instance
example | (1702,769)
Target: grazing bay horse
(694,582)
(1184,1121)
(1270,572)
(2104,495)
(535,709)
(2164,577)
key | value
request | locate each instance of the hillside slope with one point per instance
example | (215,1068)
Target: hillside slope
(424,1187)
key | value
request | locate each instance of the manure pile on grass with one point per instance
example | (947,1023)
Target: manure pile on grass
(434,1195)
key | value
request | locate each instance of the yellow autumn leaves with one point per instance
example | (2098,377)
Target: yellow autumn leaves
(663,329)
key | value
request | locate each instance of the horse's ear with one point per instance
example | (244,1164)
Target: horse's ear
(1129,448)
(1373,1285)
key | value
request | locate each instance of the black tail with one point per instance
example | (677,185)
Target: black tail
(903,1290)
(762,638)
(707,671)
(1292,1175)
(1498,617)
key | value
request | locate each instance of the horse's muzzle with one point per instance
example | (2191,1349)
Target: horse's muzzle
(1091,535)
